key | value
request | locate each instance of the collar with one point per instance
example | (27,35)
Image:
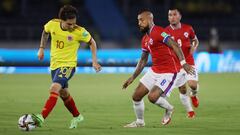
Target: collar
(176,28)
(150,30)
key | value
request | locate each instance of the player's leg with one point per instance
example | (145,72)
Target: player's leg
(194,87)
(70,105)
(60,77)
(49,104)
(69,102)
(157,97)
(185,100)
(138,106)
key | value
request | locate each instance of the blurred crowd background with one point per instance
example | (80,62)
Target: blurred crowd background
(113,23)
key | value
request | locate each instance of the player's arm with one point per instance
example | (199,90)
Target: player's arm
(194,43)
(140,66)
(178,51)
(43,44)
(93,48)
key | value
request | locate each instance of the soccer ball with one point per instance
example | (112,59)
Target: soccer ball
(26,123)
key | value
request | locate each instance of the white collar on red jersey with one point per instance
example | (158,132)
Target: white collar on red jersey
(150,30)
(177,28)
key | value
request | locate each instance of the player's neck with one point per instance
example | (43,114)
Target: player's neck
(151,27)
(176,26)
(61,26)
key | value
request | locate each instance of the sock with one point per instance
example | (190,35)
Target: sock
(49,105)
(70,105)
(186,102)
(138,107)
(194,92)
(162,102)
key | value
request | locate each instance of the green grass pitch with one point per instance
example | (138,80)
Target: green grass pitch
(106,107)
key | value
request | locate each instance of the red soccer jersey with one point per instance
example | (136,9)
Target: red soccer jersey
(183,37)
(163,57)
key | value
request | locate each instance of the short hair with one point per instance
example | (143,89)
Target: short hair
(144,10)
(67,12)
(174,8)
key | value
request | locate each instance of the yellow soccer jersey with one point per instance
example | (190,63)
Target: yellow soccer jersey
(65,44)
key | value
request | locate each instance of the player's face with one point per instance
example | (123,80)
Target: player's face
(143,23)
(69,24)
(174,17)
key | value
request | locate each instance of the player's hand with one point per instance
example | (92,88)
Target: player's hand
(127,82)
(97,67)
(189,69)
(40,53)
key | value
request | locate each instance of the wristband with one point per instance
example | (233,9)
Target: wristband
(42,47)
(183,62)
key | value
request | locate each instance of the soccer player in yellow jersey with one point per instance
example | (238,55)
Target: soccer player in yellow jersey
(66,36)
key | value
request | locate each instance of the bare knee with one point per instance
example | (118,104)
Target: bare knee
(152,97)
(136,97)
(63,93)
(183,89)
(55,87)
(193,85)
(139,93)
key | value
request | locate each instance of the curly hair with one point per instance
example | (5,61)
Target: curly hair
(67,12)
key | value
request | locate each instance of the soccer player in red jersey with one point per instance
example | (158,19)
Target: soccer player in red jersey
(185,36)
(164,74)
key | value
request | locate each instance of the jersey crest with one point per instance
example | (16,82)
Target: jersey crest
(186,34)
(69,38)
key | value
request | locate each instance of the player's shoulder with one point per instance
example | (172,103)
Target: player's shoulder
(186,26)
(158,28)
(79,28)
(55,20)
(52,21)
(168,27)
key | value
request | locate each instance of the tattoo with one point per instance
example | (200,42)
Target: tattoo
(141,64)
(176,48)
(44,39)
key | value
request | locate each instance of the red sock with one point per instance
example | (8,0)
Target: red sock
(70,105)
(49,105)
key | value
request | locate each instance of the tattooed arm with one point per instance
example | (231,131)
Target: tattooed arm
(43,43)
(178,51)
(140,66)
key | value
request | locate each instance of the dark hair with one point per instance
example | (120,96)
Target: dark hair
(67,12)
(174,8)
(144,10)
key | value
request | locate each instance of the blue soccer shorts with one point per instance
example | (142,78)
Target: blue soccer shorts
(62,75)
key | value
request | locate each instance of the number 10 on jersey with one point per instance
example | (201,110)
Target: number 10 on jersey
(60,44)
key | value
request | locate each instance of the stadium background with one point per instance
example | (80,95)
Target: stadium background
(24,80)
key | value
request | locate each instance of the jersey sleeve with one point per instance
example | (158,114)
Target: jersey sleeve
(144,47)
(47,27)
(192,34)
(85,36)
(162,35)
